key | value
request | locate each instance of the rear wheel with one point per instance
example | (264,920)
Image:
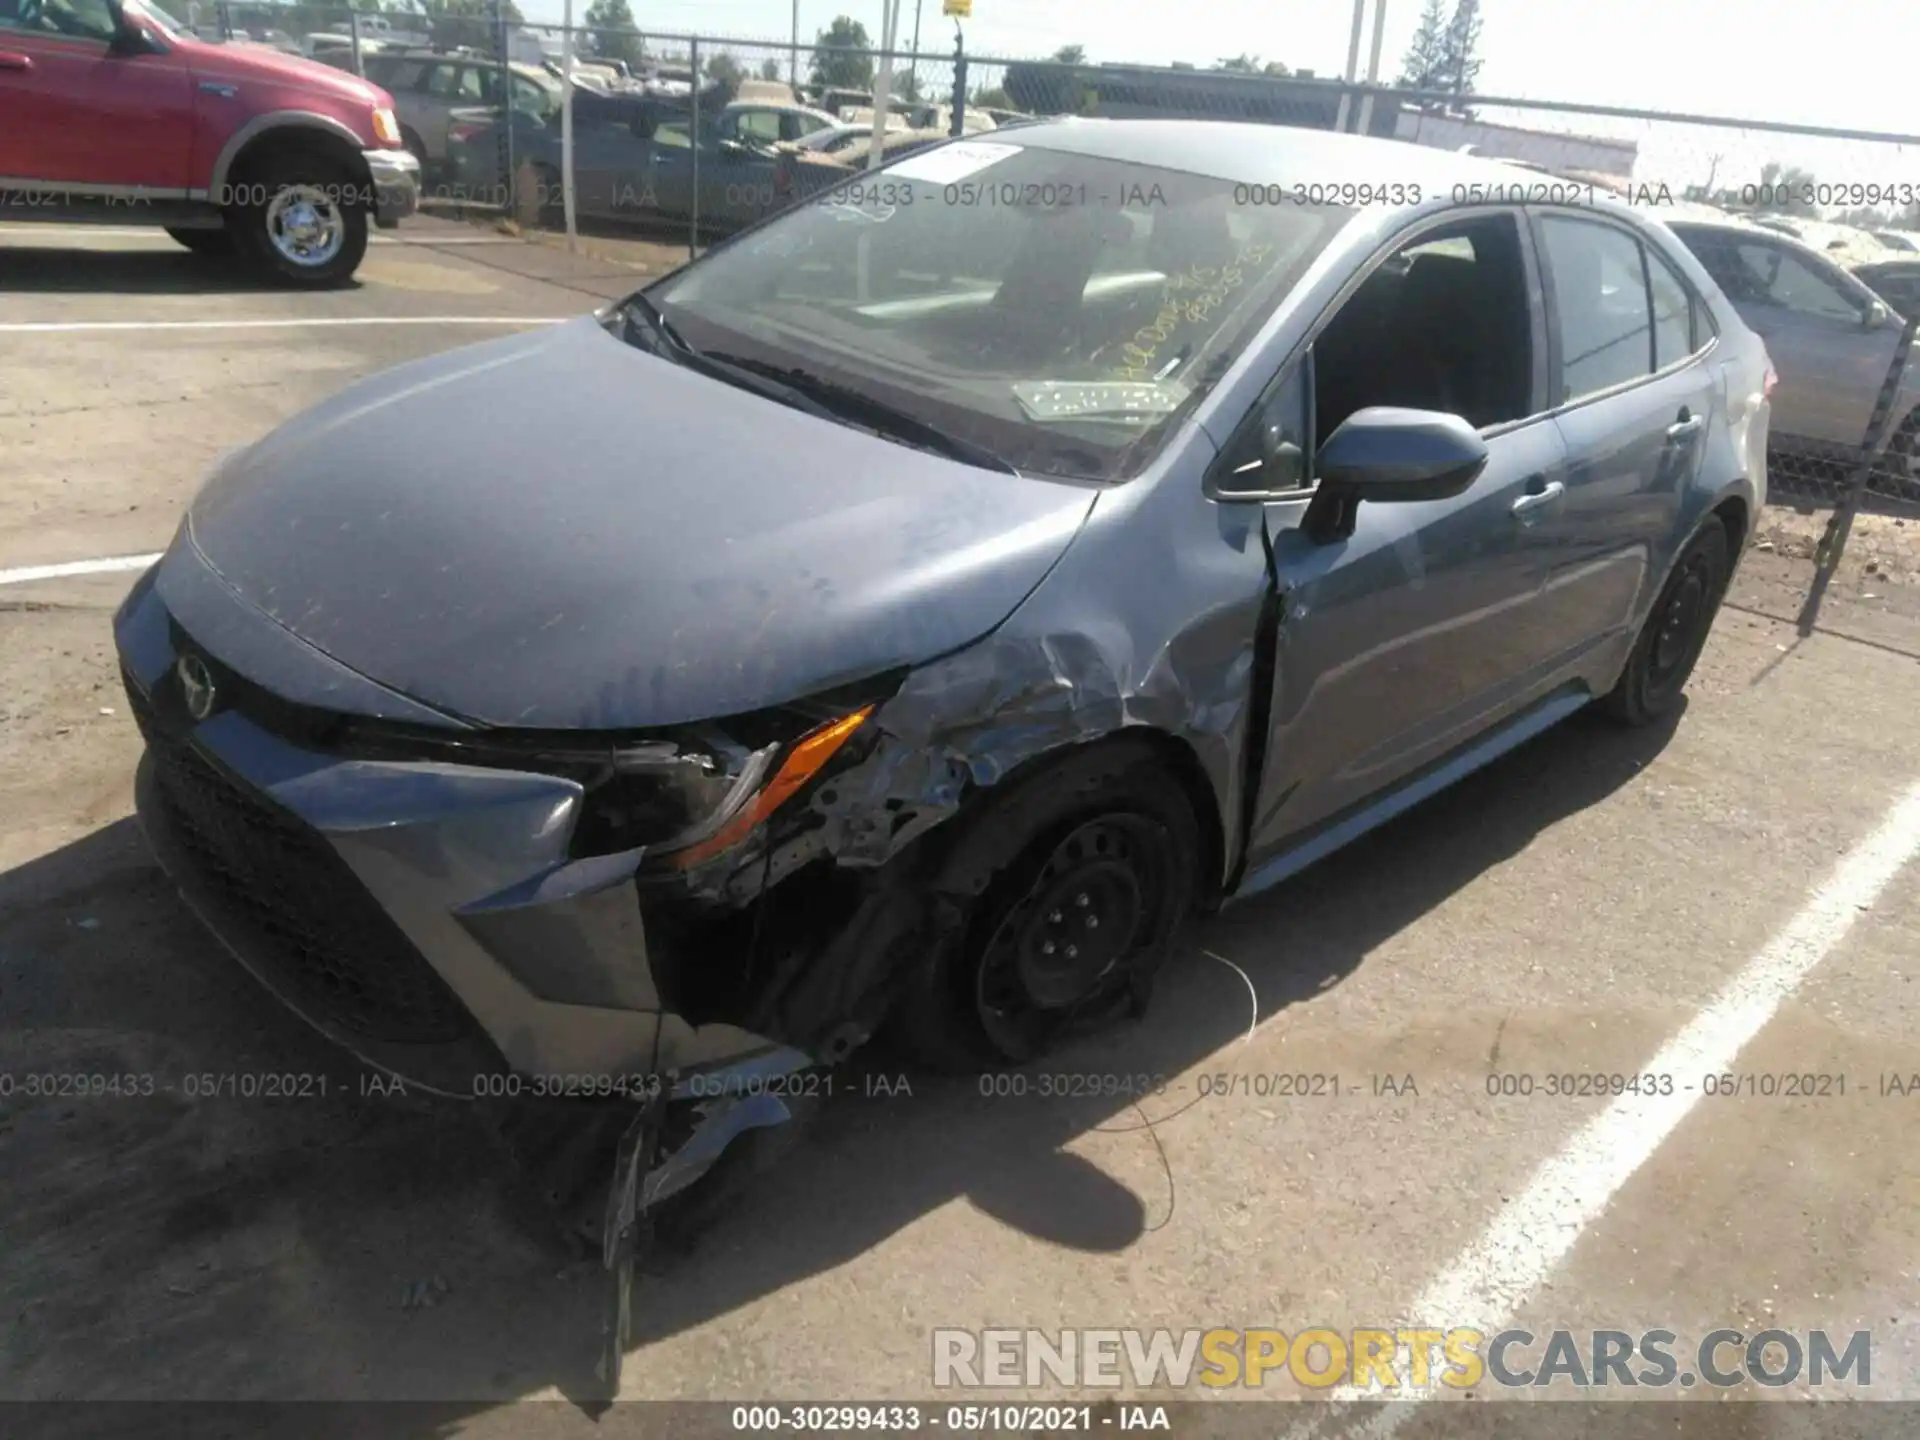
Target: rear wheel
(209,244)
(1092,870)
(299,218)
(1675,631)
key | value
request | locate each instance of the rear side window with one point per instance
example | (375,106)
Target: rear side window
(1674,333)
(1600,302)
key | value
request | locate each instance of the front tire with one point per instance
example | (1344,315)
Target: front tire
(299,220)
(1074,915)
(1675,631)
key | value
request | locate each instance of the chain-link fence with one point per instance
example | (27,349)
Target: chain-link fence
(1813,234)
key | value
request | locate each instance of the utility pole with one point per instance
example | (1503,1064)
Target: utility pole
(793,56)
(1353,62)
(1373,66)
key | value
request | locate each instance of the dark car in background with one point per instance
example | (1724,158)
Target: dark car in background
(1059,569)
(1832,339)
(637,158)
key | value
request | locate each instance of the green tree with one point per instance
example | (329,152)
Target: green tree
(614,34)
(467,22)
(769,69)
(1070,55)
(722,68)
(843,56)
(1420,69)
(993,98)
(1460,54)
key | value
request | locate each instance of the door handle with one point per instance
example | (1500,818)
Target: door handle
(1686,425)
(1546,495)
(11,60)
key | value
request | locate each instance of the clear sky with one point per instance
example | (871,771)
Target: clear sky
(1844,63)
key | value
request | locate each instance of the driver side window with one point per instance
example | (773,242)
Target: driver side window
(76,19)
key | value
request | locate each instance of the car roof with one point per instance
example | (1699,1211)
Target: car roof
(1252,153)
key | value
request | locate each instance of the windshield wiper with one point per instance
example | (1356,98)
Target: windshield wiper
(669,344)
(860,408)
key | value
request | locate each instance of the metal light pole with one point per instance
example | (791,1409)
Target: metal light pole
(917,4)
(793,56)
(1373,66)
(1353,61)
(566,125)
(883,90)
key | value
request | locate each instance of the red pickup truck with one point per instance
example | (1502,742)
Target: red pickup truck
(111,113)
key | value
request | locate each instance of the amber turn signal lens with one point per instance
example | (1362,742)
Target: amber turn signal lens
(818,747)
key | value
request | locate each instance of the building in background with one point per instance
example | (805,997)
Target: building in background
(1586,155)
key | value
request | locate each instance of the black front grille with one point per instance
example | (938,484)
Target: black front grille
(335,953)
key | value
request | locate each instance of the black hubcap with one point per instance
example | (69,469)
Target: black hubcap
(1679,621)
(1067,938)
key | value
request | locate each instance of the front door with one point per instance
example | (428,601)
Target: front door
(82,118)
(1420,629)
(1831,365)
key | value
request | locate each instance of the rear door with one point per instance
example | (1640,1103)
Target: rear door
(1633,399)
(74,114)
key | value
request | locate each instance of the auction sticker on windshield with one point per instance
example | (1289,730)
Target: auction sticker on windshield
(947,163)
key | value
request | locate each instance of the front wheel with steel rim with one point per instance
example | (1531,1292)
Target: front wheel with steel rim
(1675,631)
(302,221)
(1085,873)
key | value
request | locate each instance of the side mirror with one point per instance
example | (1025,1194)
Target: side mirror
(1875,316)
(129,38)
(1391,456)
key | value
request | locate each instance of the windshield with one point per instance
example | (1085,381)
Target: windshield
(1059,310)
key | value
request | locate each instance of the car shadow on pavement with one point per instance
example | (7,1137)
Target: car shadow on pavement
(207,1200)
(157,268)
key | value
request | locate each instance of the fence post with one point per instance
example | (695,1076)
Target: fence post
(959,106)
(566,126)
(1833,544)
(505,83)
(223,17)
(693,142)
(353,32)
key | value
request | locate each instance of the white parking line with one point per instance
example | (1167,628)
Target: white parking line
(76,567)
(1486,1286)
(141,232)
(59,327)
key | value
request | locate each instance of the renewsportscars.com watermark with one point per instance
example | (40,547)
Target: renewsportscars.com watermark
(1384,1361)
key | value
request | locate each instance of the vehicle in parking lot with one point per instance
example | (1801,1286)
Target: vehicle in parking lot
(430,88)
(1897,281)
(1832,339)
(634,159)
(1904,240)
(112,113)
(800,173)
(1062,568)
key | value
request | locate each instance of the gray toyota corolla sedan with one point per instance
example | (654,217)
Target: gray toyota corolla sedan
(901,617)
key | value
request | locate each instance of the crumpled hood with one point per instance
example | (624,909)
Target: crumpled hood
(558,530)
